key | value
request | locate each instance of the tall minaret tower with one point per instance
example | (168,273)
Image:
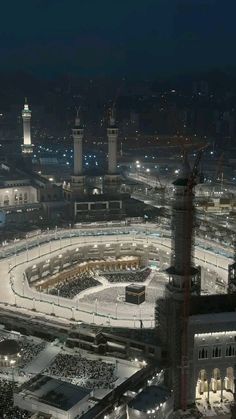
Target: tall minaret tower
(112,134)
(27,147)
(78,133)
(172,311)
(77,179)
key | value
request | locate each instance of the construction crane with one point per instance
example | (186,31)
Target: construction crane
(192,181)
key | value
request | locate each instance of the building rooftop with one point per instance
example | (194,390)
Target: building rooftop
(150,398)
(53,392)
(218,303)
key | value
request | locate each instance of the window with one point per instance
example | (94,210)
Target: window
(216,352)
(203,353)
(230,350)
(25,197)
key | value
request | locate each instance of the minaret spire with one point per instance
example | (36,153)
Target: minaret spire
(78,133)
(27,146)
(112,134)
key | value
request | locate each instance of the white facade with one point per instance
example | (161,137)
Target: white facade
(18,195)
(212,356)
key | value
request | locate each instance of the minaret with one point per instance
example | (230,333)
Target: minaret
(182,237)
(112,134)
(77,179)
(27,147)
(172,311)
(78,133)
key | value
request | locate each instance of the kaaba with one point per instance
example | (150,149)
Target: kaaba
(135,294)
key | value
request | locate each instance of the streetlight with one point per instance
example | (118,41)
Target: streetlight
(15,249)
(27,248)
(96,305)
(49,240)
(70,232)
(23,283)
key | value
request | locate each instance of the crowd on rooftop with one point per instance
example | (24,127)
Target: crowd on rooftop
(29,350)
(87,373)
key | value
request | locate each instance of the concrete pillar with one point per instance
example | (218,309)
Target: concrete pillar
(221,390)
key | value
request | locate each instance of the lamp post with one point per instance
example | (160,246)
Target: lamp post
(27,248)
(96,305)
(38,245)
(49,240)
(15,249)
(23,284)
(70,232)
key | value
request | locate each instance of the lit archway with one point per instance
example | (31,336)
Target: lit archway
(202,385)
(216,380)
(229,380)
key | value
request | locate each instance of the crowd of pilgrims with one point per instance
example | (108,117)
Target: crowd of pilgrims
(7,410)
(71,287)
(29,350)
(87,373)
(128,276)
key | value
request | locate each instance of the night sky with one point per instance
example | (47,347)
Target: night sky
(134,38)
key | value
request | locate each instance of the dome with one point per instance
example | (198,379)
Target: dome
(9,347)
